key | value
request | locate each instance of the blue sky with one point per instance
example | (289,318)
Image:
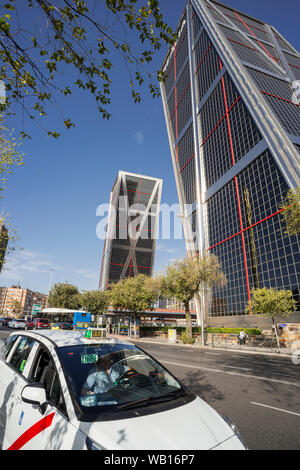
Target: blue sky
(52,199)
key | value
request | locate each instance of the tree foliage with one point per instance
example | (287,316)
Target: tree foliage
(136,294)
(272,303)
(95,301)
(49,46)
(291,213)
(8,238)
(16,307)
(184,278)
(64,295)
(9,153)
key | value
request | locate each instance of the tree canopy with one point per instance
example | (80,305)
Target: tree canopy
(136,294)
(94,301)
(9,153)
(184,277)
(272,303)
(8,238)
(291,213)
(64,295)
(49,46)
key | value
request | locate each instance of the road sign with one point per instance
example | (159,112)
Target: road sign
(36,308)
(172,336)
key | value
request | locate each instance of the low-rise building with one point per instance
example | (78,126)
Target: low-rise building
(18,302)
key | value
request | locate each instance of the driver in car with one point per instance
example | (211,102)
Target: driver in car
(104,375)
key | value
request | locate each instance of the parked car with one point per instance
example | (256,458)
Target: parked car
(4,321)
(48,385)
(40,323)
(17,323)
(29,324)
(62,326)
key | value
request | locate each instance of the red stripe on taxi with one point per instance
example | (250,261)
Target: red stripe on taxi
(38,427)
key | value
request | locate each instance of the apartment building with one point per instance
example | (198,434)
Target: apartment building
(18,302)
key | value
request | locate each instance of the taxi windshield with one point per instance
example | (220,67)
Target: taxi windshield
(114,377)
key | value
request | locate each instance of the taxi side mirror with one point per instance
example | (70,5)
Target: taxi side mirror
(35,394)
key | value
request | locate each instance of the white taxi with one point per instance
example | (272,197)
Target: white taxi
(61,390)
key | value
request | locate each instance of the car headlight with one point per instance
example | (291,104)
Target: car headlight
(92,445)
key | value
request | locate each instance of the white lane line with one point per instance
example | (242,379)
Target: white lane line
(214,354)
(273,408)
(267,379)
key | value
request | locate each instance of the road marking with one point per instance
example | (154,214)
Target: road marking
(267,379)
(215,354)
(274,408)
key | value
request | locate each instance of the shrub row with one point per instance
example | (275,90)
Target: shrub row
(197,329)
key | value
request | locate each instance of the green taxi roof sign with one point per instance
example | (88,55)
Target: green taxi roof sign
(95,333)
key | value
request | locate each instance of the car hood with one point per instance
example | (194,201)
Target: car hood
(192,426)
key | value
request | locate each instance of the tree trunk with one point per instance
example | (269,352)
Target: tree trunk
(189,332)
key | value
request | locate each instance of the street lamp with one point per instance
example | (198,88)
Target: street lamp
(50,283)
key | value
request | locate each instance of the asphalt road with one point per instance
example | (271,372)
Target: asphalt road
(260,394)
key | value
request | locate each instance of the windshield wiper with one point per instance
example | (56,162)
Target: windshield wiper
(153,400)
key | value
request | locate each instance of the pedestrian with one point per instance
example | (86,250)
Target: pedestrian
(242,337)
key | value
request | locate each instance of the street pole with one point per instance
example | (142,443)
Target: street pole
(50,283)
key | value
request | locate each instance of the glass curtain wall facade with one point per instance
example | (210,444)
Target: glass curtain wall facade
(234,133)
(131,232)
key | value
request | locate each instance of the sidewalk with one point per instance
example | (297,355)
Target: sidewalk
(240,349)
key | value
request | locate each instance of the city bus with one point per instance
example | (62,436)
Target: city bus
(82,320)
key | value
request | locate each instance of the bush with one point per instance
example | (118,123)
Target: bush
(235,331)
(197,329)
(186,340)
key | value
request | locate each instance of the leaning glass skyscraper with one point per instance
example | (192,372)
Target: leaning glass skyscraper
(234,133)
(131,231)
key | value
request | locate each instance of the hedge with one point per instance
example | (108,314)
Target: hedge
(197,329)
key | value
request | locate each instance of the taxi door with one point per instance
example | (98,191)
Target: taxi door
(50,428)
(12,383)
